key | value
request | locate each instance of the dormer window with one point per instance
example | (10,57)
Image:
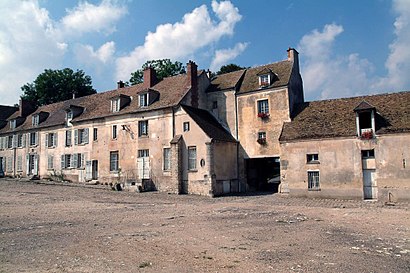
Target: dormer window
(143,99)
(264,80)
(115,105)
(13,124)
(69,117)
(365,120)
(35,120)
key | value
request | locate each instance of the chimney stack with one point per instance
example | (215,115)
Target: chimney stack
(293,56)
(120,84)
(26,108)
(150,77)
(192,73)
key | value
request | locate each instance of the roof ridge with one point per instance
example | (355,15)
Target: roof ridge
(360,96)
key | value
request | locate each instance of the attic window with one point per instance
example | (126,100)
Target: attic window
(264,80)
(69,117)
(13,124)
(143,99)
(35,120)
(115,105)
(365,120)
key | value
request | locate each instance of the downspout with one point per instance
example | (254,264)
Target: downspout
(237,142)
(173,121)
(14,161)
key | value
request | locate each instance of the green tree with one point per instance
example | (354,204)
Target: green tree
(57,85)
(163,68)
(229,68)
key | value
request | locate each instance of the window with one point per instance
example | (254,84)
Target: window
(95,134)
(367,154)
(264,80)
(215,104)
(19,163)
(115,105)
(68,138)
(66,161)
(114,161)
(262,137)
(78,160)
(69,117)
(81,136)
(263,108)
(312,158)
(33,139)
(13,124)
(143,153)
(50,162)
(192,158)
(114,132)
(313,181)
(167,159)
(9,164)
(143,128)
(143,99)
(21,141)
(186,126)
(51,140)
(35,120)
(10,142)
(2,143)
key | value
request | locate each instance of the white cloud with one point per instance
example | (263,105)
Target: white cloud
(27,46)
(223,56)
(87,55)
(182,39)
(326,75)
(398,61)
(88,17)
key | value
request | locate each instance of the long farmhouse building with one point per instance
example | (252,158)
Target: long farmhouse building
(248,130)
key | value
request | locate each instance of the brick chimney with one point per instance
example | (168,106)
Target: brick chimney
(120,84)
(150,77)
(293,56)
(26,107)
(192,73)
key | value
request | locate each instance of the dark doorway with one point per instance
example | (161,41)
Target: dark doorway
(263,174)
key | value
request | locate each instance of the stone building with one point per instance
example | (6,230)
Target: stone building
(349,148)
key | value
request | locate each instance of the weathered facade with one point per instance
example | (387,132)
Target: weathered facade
(349,148)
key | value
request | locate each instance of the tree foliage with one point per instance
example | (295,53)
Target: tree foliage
(57,85)
(229,68)
(163,68)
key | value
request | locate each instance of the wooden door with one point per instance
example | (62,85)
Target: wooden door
(369,184)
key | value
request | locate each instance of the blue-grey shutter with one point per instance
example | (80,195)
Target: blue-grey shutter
(62,162)
(36,157)
(55,139)
(46,140)
(27,164)
(82,160)
(75,160)
(14,144)
(76,137)
(86,135)
(37,139)
(23,141)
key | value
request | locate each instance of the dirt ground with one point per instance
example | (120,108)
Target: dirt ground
(71,228)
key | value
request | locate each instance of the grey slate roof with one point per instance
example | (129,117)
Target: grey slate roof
(336,117)
(208,123)
(171,91)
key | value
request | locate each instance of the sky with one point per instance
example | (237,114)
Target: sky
(346,48)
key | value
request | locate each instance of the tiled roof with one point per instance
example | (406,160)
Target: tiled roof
(226,81)
(282,70)
(336,118)
(171,91)
(208,124)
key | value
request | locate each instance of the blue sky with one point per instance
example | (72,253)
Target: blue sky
(346,48)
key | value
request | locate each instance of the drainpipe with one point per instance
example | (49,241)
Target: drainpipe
(237,143)
(173,122)
(14,161)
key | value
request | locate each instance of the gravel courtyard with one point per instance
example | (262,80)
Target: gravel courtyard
(71,228)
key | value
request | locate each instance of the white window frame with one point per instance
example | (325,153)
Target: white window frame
(31,138)
(95,134)
(167,159)
(19,163)
(50,162)
(114,161)
(264,80)
(143,128)
(143,100)
(21,140)
(114,132)
(13,124)
(186,126)
(263,106)
(81,136)
(312,158)
(35,120)
(192,158)
(51,140)
(115,105)
(313,180)
(68,138)
(143,153)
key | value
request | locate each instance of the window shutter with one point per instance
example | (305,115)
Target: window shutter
(14,141)
(82,160)
(76,137)
(86,135)
(62,161)
(75,160)
(1,143)
(35,172)
(36,139)
(88,170)
(55,139)
(23,141)
(46,140)
(27,164)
